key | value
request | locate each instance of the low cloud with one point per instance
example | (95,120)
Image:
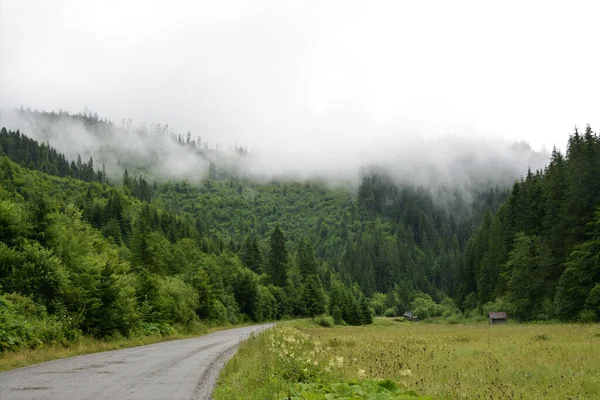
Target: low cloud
(156,151)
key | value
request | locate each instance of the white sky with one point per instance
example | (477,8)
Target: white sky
(311,75)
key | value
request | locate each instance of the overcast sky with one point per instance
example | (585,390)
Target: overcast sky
(300,75)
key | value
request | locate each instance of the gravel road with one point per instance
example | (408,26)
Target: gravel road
(180,369)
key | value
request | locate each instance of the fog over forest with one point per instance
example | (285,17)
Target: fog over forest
(450,161)
(308,87)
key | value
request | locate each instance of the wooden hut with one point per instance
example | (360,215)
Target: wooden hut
(409,316)
(497,318)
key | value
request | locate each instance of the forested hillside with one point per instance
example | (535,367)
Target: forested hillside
(538,257)
(84,253)
(79,257)
(150,150)
(82,257)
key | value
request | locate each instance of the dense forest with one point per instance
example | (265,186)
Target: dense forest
(538,257)
(84,253)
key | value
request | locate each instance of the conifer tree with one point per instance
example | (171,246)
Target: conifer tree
(579,283)
(277,266)
(212,171)
(313,297)
(351,312)
(127,180)
(337,315)
(251,254)
(365,311)
(306,259)
(355,314)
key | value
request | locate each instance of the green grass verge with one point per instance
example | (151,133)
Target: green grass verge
(286,363)
(85,345)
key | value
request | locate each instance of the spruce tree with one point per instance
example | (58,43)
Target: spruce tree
(351,312)
(306,259)
(356,317)
(554,221)
(337,295)
(251,254)
(365,311)
(277,267)
(313,297)
(127,184)
(104,319)
(336,313)
(579,285)
(212,171)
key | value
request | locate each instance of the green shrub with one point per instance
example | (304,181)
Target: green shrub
(424,307)
(34,271)
(156,328)
(500,304)
(193,328)
(588,316)
(174,301)
(390,312)
(25,324)
(455,319)
(266,307)
(377,303)
(219,313)
(325,321)
(231,307)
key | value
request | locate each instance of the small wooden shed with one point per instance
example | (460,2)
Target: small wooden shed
(497,317)
(409,316)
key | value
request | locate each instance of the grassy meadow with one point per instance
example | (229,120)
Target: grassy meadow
(514,361)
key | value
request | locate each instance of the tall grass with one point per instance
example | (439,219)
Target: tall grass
(442,361)
(286,363)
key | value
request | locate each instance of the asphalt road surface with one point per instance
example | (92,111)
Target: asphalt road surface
(180,369)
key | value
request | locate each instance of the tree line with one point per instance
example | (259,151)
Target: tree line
(538,256)
(42,157)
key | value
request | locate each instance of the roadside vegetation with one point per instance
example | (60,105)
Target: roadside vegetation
(41,352)
(302,360)
(288,363)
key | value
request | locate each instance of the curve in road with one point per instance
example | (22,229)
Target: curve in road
(180,369)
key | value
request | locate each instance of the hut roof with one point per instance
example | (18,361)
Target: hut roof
(498,315)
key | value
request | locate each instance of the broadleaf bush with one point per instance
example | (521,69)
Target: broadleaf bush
(25,324)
